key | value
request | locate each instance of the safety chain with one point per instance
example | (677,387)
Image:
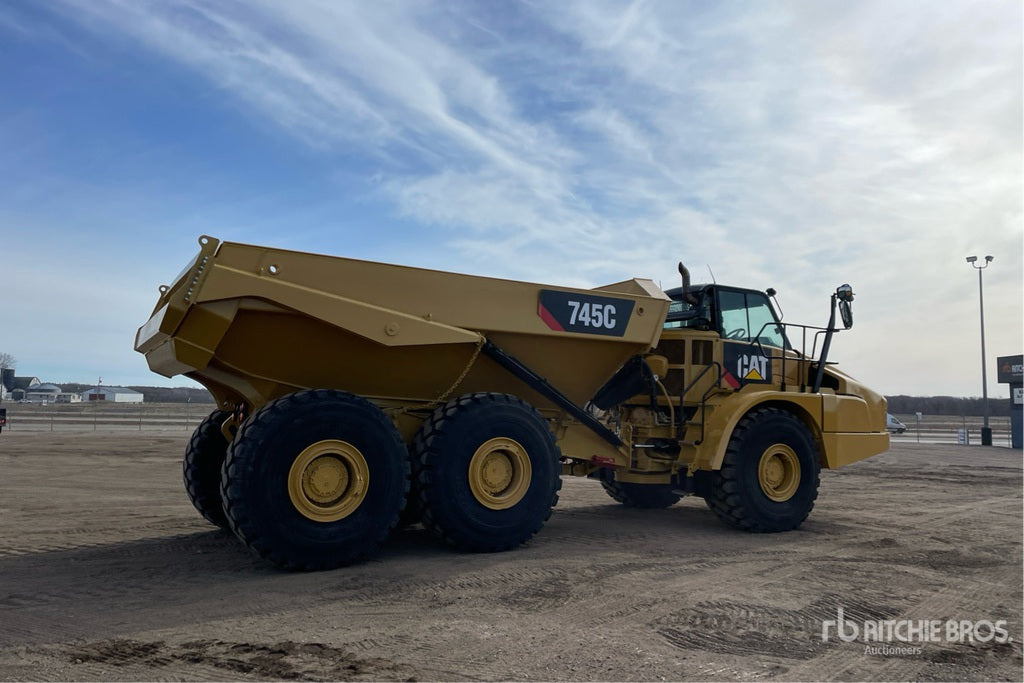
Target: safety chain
(481,340)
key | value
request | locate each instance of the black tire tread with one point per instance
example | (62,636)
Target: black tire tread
(241,455)
(726,497)
(425,453)
(201,468)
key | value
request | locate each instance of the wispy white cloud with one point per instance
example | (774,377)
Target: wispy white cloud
(784,143)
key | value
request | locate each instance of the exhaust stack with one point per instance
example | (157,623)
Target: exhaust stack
(687,296)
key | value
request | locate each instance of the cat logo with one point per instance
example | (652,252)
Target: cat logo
(753,368)
(742,364)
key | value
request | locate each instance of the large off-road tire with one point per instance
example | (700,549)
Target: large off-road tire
(204,457)
(489,472)
(633,495)
(769,477)
(315,480)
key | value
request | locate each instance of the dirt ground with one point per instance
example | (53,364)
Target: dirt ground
(108,573)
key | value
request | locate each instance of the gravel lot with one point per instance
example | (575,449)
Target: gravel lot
(108,573)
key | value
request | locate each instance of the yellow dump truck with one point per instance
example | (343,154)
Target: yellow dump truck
(355,396)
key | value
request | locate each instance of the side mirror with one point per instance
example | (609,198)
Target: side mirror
(846,312)
(844,293)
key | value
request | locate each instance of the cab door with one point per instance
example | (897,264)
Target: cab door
(751,335)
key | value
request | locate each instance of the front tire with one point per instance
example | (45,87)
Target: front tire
(315,480)
(769,477)
(489,472)
(201,466)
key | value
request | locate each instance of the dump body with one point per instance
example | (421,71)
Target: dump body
(253,323)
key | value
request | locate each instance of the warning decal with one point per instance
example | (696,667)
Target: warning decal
(730,380)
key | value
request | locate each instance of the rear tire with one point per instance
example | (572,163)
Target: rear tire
(633,495)
(769,477)
(315,480)
(489,472)
(204,457)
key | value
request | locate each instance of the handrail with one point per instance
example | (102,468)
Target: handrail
(804,360)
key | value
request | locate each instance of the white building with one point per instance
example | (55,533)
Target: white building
(112,394)
(46,393)
(42,393)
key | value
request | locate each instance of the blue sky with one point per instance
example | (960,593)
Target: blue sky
(789,144)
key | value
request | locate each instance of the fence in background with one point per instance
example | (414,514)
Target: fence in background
(185,417)
(963,430)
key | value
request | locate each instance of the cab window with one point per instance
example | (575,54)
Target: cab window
(685,314)
(747,316)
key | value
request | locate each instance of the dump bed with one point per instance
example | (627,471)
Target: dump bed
(253,323)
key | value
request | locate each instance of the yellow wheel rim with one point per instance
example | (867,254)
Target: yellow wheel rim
(778,472)
(499,473)
(328,481)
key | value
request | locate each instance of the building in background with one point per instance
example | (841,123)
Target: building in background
(15,388)
(112,395)
(42,393)
(31,390)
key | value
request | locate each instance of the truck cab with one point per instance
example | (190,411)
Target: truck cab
(737,314)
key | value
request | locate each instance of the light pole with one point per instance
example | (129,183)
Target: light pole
(986,431)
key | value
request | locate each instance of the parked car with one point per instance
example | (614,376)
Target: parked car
(894,425)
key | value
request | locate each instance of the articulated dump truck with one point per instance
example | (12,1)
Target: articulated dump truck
(354,397)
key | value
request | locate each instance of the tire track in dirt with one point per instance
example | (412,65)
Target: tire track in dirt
(48,591)
(979,563)
(738,628)
(78,538)
(286,660)
(748,624)
(604,593)
(937,660)
(804,624)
